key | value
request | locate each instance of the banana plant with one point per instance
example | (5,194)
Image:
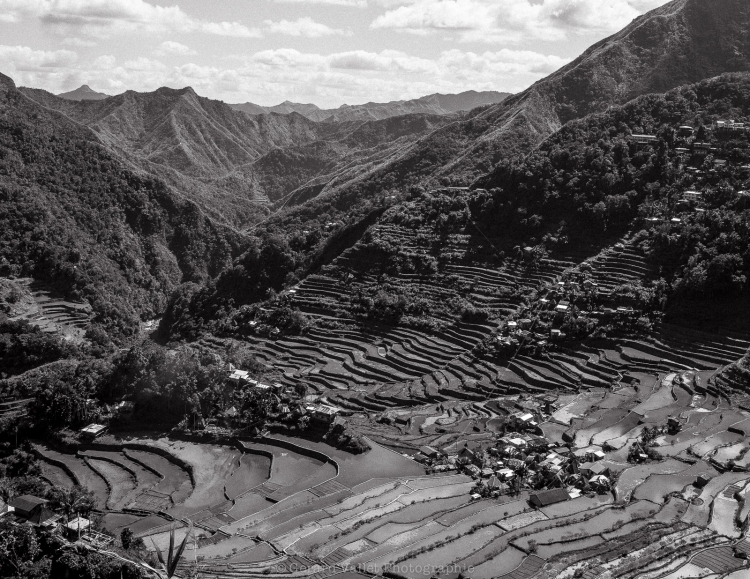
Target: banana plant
(169,565)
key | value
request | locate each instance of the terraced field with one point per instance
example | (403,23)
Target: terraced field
(652,412)
(657,521)
(375,368)
(52,313)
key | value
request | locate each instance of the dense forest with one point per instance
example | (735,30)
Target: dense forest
(75,217)
(588,181)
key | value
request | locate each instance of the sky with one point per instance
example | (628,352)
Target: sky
(326,52)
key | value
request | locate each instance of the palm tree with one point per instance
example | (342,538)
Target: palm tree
(73,500)
(173,557)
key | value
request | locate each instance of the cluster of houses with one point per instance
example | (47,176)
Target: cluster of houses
(289,404)
(35,511)
(526,460)
(558,301)
(523,457)
(698,150)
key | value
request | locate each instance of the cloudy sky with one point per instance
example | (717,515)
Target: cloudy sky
(328,52)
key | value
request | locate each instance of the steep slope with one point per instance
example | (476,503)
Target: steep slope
(83,93)
(215,155)
(76,218)
(467,100)
(681,42)
(437,104)
(412,296)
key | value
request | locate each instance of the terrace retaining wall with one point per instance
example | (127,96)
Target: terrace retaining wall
(122,446)
(58,463)
(285,444)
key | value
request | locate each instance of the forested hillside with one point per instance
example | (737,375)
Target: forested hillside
(580,191)
(75,217)
(226,161)
(681,42)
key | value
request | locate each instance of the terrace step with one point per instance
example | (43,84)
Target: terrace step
(266,489)
(328,488)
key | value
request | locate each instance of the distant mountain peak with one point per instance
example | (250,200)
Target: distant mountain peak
(83,93)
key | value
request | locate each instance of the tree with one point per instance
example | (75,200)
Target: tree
(18,545)
(71,501)
(126,538)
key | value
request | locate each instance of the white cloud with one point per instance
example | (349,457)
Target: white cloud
(100,18)
(510,20)
(428,15)
(229,29)
(387,60)
(357,3)
(172,47)
(23,58)
(302,27)
(272,76)
(80,42)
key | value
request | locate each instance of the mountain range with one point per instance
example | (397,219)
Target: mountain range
(681,42)
(234,165)
(435,104)
(77,217)
(284,173)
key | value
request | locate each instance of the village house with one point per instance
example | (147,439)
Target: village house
(599,483)
(702,480)
(724,126)
(638,139)
(521,420)
(31,509)
(473,470)
(673,425)
(429,452)
(596,455)
(124,408)
(238,376)
(694,196)
(93,431)
(548,402)
(589,469)
(701,149)
(506,474)
(494,484)
(468,456)
(322,412)
(515,463)
(549,497)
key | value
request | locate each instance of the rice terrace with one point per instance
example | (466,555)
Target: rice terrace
(471,302)
(453,487)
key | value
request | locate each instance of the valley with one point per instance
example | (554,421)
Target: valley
(471,336)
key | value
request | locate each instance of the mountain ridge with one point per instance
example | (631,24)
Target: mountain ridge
(98,230)
(438,104)
(678,43)
(227,161)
